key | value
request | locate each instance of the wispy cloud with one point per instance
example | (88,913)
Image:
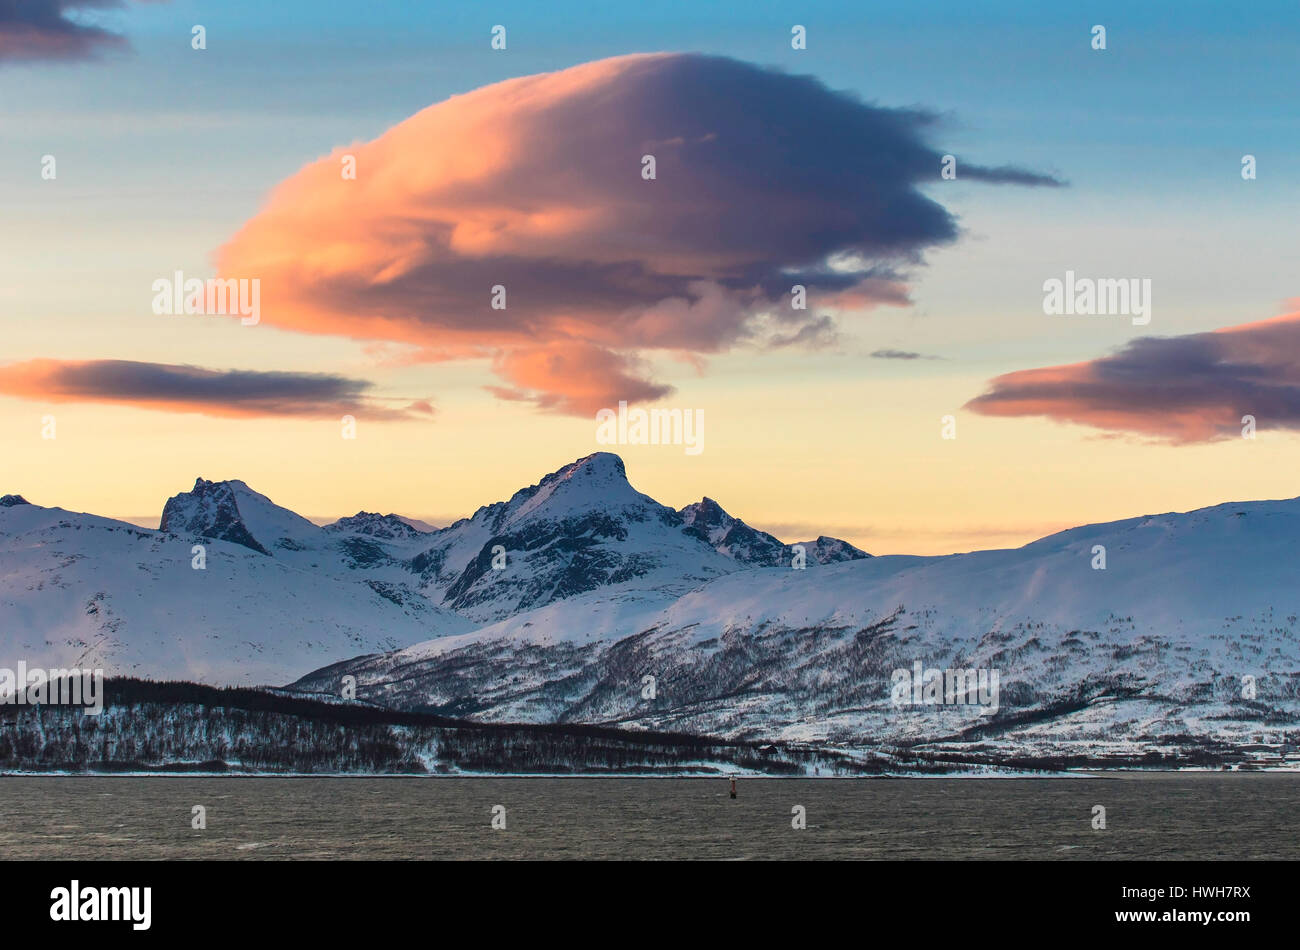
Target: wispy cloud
(814,334)
(900,355)
(763,180)
(177,388)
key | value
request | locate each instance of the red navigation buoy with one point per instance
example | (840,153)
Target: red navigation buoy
(733,786)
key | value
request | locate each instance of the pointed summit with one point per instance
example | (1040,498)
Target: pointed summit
(707,514)
(596,482)
(11,501)
(602,473)
(597,465)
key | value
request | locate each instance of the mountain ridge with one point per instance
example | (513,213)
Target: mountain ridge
(579,528)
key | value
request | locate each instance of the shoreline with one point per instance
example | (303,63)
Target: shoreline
(965,776)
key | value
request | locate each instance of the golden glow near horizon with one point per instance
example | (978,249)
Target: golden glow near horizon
(859,459)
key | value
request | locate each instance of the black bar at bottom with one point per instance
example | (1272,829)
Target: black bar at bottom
(480,900)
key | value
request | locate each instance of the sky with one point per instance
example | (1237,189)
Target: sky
(522,167)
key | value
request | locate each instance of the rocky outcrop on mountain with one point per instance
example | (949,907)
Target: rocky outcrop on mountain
(731,537)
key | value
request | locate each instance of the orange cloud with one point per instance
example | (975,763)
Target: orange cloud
(573,378)
(761,181)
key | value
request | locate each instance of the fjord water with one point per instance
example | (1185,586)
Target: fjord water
(1149,815)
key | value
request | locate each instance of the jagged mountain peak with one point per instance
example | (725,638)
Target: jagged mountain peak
(201,483)
(231,511)
(11,501)
(730,535)
(706,511)
(372,524)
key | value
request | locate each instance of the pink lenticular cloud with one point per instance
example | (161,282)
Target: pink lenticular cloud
(762,181)
(1193,388)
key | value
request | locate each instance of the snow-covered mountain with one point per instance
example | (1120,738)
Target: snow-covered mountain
(1175,632)
(580,528)
(1187,638)
(231,511)
(77,590)
(278,595)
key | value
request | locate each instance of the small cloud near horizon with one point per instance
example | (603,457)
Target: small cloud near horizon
(182,388)
(900,355)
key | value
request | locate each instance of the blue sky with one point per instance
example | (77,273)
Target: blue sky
(1154,127)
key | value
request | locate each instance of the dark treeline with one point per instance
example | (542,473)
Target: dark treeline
(126,690)
(176,726)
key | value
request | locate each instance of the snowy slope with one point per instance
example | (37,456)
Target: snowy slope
(80,590)
(1152,649)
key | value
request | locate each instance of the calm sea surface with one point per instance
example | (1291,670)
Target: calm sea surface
(1170,816)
